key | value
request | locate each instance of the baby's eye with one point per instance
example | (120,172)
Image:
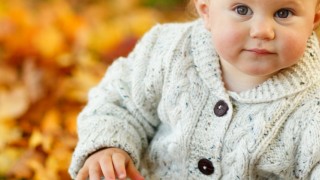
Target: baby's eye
(243,10)
(283,13)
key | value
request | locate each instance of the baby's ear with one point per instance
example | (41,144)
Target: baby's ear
(316,21)
(202,7)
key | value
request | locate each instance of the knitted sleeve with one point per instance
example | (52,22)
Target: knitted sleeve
(309,148)
(121,110)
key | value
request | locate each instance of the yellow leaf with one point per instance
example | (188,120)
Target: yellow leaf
(80,83)
(106,36)
(60,157)
(9,132)
(52,167)
(8,157)
(39,139)
(13,102)
(49,41)
(21,169)
(41,172)
(36,139)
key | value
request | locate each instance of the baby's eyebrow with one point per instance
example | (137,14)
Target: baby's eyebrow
(297,5)
(291,2)
(280,3)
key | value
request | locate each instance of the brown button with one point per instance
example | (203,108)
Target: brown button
(221,108)
(205,166)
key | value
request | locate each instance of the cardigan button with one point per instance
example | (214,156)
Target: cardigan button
(205,166)
(221,108)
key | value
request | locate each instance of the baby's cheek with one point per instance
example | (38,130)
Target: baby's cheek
(228,44)
(292,49)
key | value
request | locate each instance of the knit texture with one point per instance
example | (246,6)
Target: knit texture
(158,105)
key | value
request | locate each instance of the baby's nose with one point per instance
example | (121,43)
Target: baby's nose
(261,28)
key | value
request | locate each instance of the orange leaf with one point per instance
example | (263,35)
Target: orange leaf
(13,102)
(51,123)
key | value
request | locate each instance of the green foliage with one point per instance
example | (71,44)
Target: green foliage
(166,4)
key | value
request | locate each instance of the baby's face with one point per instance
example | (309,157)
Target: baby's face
(259,37)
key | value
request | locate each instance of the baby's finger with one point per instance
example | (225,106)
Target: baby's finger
(83,174)
(132,172)
(107,168)
(95,172)
(119,164)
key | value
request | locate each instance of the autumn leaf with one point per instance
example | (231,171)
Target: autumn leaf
(8,157)
(13,101)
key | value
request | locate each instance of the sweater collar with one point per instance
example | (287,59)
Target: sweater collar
(285,83)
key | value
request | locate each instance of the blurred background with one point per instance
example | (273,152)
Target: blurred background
(51,53)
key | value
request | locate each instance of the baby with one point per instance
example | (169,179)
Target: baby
(234,94)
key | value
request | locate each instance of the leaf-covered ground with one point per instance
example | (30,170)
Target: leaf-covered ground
(51,53)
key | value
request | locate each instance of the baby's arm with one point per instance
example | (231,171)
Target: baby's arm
(110,163)
(122,109)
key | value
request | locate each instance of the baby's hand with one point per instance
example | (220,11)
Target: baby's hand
(110,163)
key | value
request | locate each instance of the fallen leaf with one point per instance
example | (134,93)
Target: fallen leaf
(8,157)
(14,101)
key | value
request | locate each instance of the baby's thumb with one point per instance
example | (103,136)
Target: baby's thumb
(133,173)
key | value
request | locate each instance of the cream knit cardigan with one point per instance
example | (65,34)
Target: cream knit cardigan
(158,105)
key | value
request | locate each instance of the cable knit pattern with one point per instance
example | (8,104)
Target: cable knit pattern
(159,105)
